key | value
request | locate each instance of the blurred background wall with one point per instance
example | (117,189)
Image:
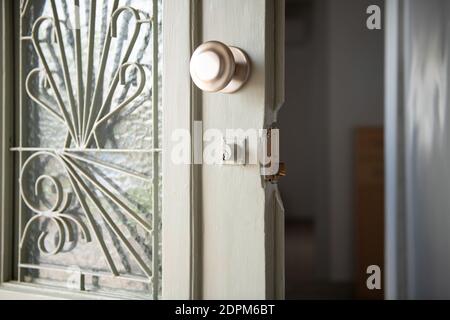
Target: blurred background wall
(334,70)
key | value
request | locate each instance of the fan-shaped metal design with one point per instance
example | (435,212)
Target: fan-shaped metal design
(91,74)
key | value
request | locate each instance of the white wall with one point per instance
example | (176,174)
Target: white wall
(427,143)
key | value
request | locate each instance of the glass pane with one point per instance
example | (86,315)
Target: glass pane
(89,145)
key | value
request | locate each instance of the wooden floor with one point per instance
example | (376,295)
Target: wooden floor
(301,280)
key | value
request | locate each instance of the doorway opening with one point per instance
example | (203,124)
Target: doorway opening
(332,142)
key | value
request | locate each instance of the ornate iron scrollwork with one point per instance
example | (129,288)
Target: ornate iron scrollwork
(83,113)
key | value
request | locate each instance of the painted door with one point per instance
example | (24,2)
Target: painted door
(94,202)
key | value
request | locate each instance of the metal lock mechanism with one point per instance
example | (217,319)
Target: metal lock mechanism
(271,144)
(234,151)
(281,173)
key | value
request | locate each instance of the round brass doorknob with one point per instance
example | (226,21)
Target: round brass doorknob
(216,67)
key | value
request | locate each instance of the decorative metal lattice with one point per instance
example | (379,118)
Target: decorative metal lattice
(87,68)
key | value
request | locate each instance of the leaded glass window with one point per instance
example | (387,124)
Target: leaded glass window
(88,146)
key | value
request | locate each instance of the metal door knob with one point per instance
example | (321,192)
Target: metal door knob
(216,67)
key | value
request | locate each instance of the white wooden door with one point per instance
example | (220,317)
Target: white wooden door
(93,203)
(239,218)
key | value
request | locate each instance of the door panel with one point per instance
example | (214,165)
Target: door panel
(239,209)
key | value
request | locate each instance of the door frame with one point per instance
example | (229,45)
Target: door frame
(6,139)
(181,183)
(396,253)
